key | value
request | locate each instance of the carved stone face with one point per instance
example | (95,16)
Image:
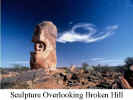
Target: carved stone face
(40,47)
(44,40)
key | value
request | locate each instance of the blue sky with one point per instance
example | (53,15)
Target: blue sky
(92,31)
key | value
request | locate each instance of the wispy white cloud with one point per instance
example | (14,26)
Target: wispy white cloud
(91,36)
(110,60)
(97,59)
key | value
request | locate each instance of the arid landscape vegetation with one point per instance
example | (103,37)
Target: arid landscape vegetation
(84,77)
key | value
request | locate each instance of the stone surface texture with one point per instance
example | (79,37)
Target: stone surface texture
(44,39)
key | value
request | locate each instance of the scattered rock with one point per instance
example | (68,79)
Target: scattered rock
(73,68)
(39,78)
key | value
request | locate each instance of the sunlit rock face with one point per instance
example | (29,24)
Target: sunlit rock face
(44,39)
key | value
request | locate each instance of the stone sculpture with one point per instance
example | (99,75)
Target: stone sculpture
(44,39)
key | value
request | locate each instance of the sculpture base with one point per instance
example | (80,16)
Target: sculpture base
(37,61)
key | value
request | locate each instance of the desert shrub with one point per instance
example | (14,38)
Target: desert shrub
(85,66)
(1,68)
(17,67)
(129,61)
(66,70)
(103,68)
(98,68)
(119,69)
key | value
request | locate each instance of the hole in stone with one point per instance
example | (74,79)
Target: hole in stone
(40,46)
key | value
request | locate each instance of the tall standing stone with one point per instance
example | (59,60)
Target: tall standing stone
(44,39)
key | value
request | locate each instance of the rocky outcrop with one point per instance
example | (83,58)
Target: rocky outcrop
(44,39)
(127,79)
(64,79)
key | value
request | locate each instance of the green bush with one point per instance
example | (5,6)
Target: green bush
(84,66)
(129,61)
(17,67)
